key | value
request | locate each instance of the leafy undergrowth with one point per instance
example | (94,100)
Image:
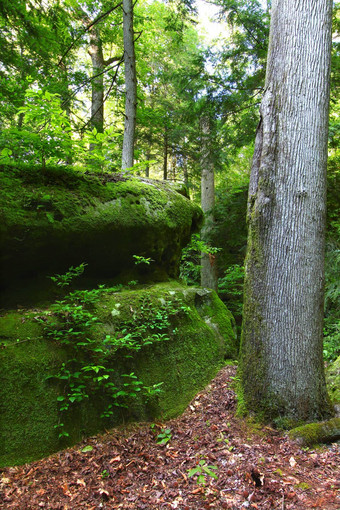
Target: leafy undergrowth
(129,469)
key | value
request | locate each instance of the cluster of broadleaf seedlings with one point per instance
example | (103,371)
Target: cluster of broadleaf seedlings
(202,471)
(88,369)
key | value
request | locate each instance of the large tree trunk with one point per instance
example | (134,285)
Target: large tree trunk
(208,261)
(281,349)
(130,85)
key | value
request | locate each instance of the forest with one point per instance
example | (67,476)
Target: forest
(170,254)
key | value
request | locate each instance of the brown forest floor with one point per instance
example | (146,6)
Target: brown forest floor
(256,469)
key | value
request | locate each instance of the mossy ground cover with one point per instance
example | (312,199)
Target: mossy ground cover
(199,337)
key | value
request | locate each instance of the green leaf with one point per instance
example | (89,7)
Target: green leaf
(87,448)
(50,217)
(6,152)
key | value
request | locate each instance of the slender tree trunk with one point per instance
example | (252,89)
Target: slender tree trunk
(149,153)
(281,366)
(208,261)
(97,105)
(165,156)
(185,172)
(147,168)
(66,103)
(130,85)
(173,165)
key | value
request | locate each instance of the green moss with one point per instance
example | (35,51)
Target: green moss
(57,218)
(213,311)
(184,363)
(333,381)
(27,400)
(303,486)
(202,339)
(314,433)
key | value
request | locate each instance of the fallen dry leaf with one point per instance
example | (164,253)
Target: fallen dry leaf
(292,462)
(115,459)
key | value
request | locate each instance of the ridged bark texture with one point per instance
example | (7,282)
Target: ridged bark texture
(208,261)
(130,85)
(281,365)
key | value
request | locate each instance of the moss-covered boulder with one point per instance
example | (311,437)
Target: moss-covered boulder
(54,218)
(329,430)
(315,433)
(333,381)
(196,333)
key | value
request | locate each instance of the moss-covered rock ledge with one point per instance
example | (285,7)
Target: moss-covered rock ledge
(54,218)
(201,336)
(315,433)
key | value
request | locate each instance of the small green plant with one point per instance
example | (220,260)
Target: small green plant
(202,470)
(45,134)
(164,436)
(225,440)
(103,148)
(331,344)
(61,430)
(142,260)
(104,474)
(88,370)
(191,259)
(64,280)
(152,391)
(230,290)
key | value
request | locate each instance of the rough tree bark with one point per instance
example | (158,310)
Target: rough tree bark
(130,85)
(281,367)
(208,261)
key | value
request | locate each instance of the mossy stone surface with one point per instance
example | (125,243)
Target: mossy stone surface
(315,433)
(54,218)
(27,400)
(200,335)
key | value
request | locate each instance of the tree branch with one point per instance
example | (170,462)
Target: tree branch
(87,28)
(106,96)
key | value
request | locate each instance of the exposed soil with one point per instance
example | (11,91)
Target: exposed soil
(127,469)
